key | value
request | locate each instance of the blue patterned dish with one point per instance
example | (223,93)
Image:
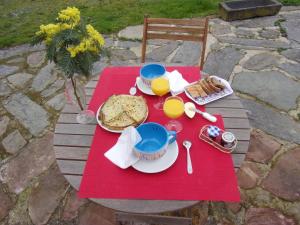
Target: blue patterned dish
(155,140)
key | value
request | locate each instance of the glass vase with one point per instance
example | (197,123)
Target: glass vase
(75,95)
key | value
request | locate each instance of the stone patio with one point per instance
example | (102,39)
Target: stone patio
(261,59)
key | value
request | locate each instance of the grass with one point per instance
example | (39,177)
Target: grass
(20,19)
(290,2)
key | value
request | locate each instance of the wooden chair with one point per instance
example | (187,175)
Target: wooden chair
(131,219)
(176,29)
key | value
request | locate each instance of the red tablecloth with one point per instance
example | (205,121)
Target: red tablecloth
(213,177)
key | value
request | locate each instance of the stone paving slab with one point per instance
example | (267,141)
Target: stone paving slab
(96,214)
(122,55)
(13,142)
(291,68)
(248,175)
(188,54)
(6,203)
(35,158)
(133,32)
(261,61)
(220,29)
(262,147)
(45,77)
(272,122)
(128,44)
(160,54)
(292,54)
(45,197)
(53,88)
(259,216)
(283,180)
(244,33)
(57,102)
(4,121)
(19,80)
(36,59)
(254,42)
(4,89)
(267,21)
(270,34)
(16,60)
(6,70)
(19,50)
(31,115)
(222,62)
(272,87)
(73,204)
(293,29)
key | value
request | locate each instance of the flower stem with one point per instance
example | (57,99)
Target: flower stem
(76,95)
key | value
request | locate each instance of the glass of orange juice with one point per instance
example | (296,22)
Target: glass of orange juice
(174,108)
(160,86)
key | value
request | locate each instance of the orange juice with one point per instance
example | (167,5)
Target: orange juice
(160,86)
(173,107)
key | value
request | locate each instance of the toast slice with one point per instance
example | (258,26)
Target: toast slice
(205,87)
(200,90)
(211,85)
(217,83)
(193,90)
(211,90)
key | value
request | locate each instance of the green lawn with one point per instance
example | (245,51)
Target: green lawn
(20,19)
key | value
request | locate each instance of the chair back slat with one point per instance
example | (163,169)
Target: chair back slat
(189,22)
(176,29)
(174,37)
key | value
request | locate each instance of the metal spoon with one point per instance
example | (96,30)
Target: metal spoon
(132,90)
(188,144)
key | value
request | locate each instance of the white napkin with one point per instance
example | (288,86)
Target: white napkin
(177,82)
(121,154)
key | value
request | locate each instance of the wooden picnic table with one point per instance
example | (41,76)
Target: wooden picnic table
(72,143)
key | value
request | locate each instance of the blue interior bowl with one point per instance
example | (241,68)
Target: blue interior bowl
(152,71)
(154,138)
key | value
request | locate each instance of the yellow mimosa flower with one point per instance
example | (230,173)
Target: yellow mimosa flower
(74,42)
(71,15)
(95,35)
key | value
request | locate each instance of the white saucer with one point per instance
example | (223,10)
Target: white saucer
(161,164)
(143,88)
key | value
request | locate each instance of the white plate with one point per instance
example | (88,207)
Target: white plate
(143,88)
(110,130)
(212,97)
(161,164)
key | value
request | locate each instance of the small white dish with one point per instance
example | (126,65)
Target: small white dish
(161,164)
(110,130)
(143,87)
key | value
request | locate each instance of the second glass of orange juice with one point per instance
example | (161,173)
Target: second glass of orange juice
(160,86)
(174,108)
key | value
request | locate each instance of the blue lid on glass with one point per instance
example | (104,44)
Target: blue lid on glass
(213,131)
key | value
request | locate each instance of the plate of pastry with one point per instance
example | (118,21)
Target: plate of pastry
(208,90)
(121,111)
